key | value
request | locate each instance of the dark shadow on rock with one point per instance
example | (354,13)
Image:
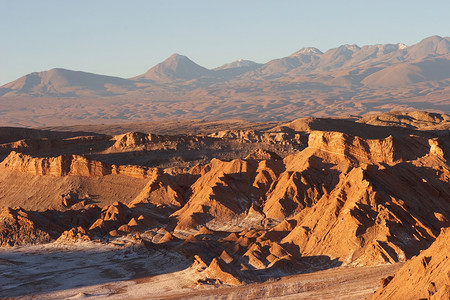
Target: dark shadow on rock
(292,266)
(11,134)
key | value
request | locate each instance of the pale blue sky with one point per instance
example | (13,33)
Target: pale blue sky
(126,38)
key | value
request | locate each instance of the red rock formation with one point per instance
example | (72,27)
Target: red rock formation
(112,217)
(260,154)
(359,150)
(131,140)
(134,171)
(218,269)
(161,189)
(343,199)
(74,165)
(74,235)
(221,195)
(425,276)
(374,215)
(18,228)
(56,166)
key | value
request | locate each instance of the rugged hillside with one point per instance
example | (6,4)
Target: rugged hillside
(176,67)
(425,276)
(66,83)
(405,74)
(152,150)
(70,165)
(348,193)
(415,120)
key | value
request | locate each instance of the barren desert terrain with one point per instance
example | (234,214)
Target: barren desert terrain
(319,175)
(314,208)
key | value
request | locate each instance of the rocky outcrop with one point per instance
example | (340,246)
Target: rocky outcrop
(410,119)
(133,140)
(219,197)
(74,165)
(380,212)
(57,166)
(134,171)
(70,198)
(359,150)
(161,189)
(17,228)
(252,136)
(220,270)
(260,154)
(437,148)
(353,147)
(425,276)
(74,235)
(111,218)
(22,227)
(292,193)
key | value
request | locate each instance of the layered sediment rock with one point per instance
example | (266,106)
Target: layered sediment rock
(221,195)
(74,165)
(425,276)
(57,166)
(356,149)
(161,189)
(131,140)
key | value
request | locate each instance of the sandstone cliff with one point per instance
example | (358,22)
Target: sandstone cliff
(56,166)
(425,276)
(65,165)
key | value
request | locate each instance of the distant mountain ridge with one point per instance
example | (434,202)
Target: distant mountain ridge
(62,82)
(176,67)
(346,80)
(240,63)
(394,65)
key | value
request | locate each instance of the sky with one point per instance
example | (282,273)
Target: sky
(126,38)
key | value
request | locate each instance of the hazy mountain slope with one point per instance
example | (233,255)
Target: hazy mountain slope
(62,82)
(176,67)
(240,63)
(405,74)
(235,68)
(346,80)
(429,47)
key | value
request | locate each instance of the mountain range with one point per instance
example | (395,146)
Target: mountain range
(345,80)
(373,65)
